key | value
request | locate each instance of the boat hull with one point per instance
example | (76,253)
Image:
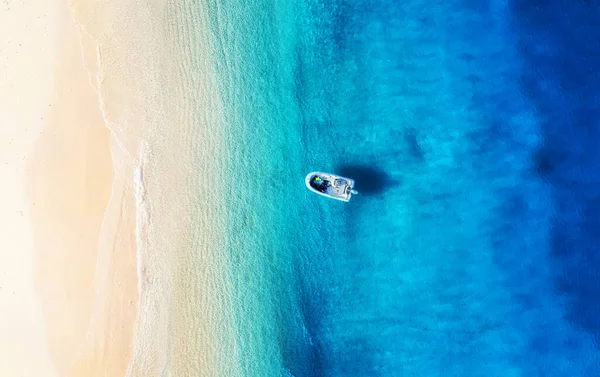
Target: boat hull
(330,185)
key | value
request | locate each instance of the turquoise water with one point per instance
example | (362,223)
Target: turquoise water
(470,250)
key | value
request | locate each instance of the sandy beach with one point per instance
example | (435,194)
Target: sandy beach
(113,247)
(26,83)
(68,283)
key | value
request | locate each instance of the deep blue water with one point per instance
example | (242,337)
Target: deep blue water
(471,129)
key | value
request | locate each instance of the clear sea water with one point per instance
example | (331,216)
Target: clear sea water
(471,129)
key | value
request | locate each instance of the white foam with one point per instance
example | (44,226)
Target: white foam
(151,339)
(142,211)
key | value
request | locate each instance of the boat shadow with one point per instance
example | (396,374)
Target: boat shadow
(369,180)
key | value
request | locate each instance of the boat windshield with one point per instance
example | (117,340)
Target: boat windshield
(319,184)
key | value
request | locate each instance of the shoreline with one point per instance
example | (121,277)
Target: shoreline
(125,268)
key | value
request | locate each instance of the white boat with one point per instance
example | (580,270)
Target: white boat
(330,185)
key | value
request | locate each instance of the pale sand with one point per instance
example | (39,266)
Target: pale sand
(88,285)
(67,306)
(26,56)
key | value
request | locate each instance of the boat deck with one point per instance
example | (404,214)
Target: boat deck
(339,188)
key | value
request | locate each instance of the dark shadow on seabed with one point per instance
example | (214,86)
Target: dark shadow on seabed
(561,50)
(369,180)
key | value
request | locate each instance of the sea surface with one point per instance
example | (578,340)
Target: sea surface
(472,131)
